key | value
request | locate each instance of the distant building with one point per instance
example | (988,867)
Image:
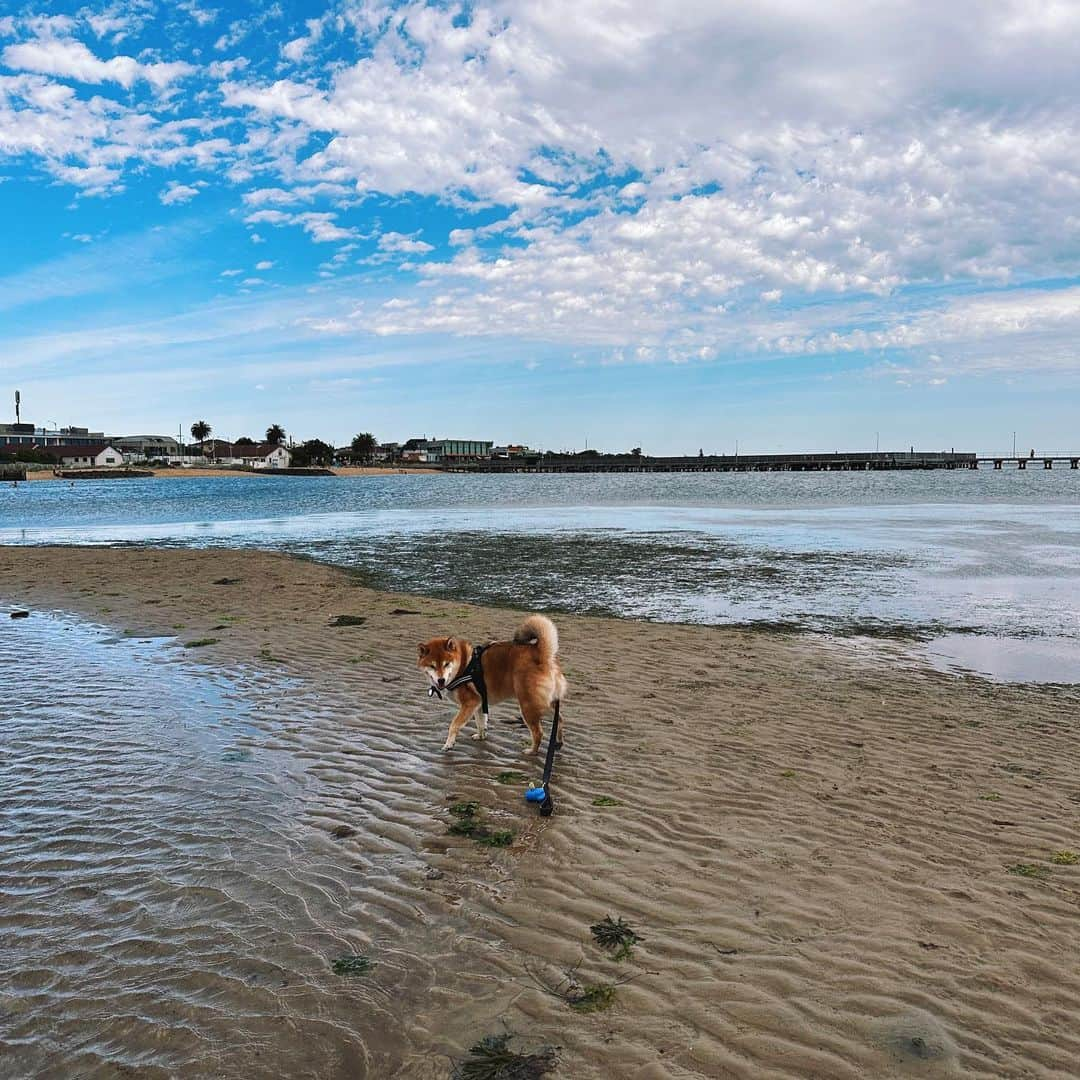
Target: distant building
(265,456)
(226,453)
(17,434)
(512,451)
(455,450)
(146,447)
(100,455)
(29,435)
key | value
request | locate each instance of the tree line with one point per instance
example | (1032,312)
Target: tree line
(305,454)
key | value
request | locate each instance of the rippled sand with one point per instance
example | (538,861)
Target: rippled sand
(814,846)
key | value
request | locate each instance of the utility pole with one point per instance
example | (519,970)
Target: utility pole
(1014,444)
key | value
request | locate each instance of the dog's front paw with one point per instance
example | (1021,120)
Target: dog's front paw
(481,735)
(530,750)
(447,746)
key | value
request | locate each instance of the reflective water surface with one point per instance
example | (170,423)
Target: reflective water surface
(906,555)
(172,896)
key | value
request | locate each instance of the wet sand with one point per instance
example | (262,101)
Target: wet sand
(840,864)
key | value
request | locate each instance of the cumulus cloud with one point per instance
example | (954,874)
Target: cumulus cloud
(321,227)
(663,181)
(72,59)
(393,241)
(176,193)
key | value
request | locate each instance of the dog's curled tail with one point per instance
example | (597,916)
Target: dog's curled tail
(539,629)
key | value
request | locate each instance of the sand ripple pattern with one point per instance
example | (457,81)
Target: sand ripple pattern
(815,845)
(169,905)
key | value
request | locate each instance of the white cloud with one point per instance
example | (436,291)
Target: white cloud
(175,192)
(393,241)
(296,49)
(657,180)
(72,59)
(321,227)
(266,264)
(201,16)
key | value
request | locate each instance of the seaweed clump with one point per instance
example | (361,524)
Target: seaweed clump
(468,824)
(615,935)
(492,1059)
(353,964)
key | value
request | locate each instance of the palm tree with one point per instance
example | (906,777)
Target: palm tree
(363,446)
(200,432)
(275,433)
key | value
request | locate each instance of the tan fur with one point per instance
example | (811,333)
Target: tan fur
(525,668)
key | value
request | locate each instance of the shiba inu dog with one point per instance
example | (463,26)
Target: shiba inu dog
(525,668)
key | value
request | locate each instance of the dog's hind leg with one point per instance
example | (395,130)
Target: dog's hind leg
(558,721)
(532,714)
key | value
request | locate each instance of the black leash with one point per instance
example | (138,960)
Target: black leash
(542,794)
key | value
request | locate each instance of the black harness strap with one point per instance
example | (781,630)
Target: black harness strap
(473,673)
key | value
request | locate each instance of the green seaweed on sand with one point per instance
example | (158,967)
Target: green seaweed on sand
(201,643)
(511,777)
(990,796)
(615,935)
(350,964)
(468,825)
(594,998)
(493,837)
(481,833)
(1028,870)
(605,800)
(1065,858)
(492,1059)
(349,620)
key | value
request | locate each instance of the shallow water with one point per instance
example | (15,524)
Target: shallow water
(171,896)
(908,555)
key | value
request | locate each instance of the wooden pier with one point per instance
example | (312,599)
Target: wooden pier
(868,461)
(1073,461)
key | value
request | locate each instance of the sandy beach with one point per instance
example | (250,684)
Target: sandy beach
(840,863)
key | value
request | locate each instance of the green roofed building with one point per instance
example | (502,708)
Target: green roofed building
(451,450)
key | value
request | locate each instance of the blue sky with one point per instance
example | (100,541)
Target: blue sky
(801,226)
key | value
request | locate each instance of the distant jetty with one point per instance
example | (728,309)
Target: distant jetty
(864,461)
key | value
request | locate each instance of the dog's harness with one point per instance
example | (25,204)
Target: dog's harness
(473,673)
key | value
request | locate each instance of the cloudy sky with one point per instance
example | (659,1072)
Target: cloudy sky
(800,225)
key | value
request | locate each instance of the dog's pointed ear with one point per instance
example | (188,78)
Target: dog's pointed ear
(451,644)
(422,647)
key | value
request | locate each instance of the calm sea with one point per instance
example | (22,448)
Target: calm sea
(986,564)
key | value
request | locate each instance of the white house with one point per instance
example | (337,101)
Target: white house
(84,455)
(267,456)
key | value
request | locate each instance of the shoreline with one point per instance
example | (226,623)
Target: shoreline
(805,841)
(205,471)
